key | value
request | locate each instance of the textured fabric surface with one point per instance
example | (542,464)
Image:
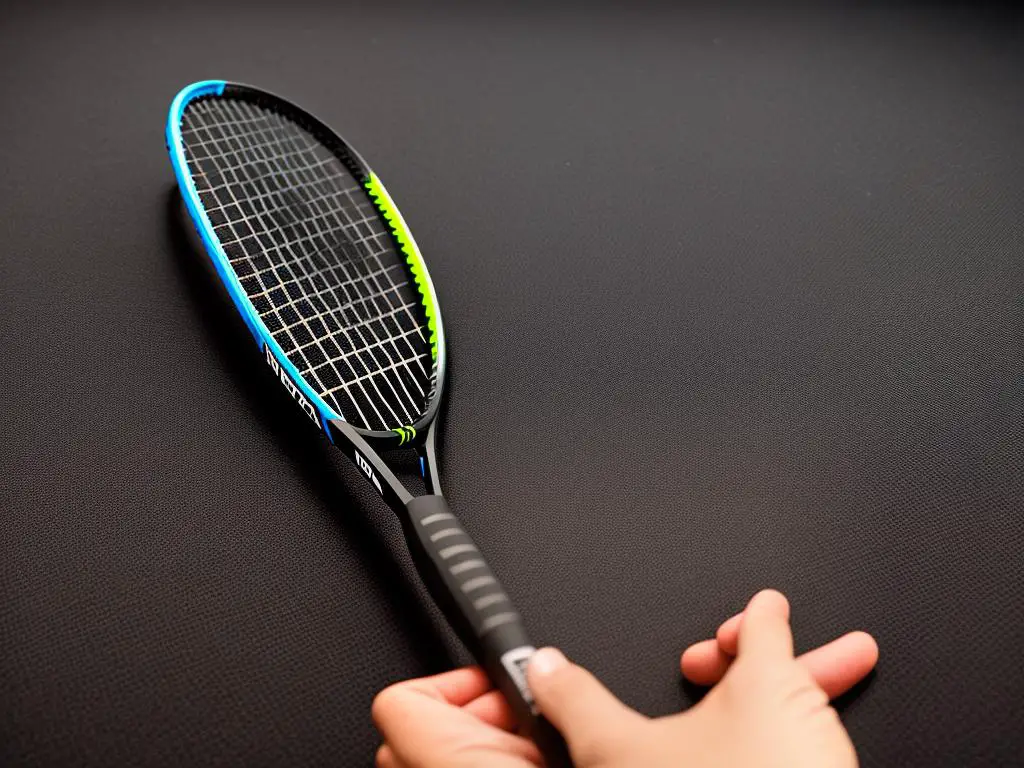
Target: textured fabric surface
(734,299)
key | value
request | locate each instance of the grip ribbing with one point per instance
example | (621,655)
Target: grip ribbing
(476,605)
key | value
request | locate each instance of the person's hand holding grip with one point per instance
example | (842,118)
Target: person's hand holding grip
(767,708)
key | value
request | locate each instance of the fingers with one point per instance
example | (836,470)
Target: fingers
(835,667)
(764,631)
(705,663)
(398,709)
(838,666)
(576,703)
(493,709)
(514,752)
(418,726)
(457,686)
(469,688)
(728,635)
(385,758)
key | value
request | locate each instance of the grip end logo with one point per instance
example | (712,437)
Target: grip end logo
(289,385)
(515,662)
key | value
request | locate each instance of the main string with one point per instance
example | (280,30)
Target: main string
(314,258)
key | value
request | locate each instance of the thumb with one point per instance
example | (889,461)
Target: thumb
(764,629)
(585,712)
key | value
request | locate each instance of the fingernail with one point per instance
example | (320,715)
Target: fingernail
(770,597)
(547,661)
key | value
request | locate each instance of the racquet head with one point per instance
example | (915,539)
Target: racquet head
(315,256)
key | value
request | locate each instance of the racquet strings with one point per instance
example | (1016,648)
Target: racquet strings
(315,258)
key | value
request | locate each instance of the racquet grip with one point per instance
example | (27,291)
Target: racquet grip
(473,601)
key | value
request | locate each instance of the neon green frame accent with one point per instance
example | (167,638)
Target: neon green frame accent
(405,434)
(387,207)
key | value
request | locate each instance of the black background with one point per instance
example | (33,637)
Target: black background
(733,299)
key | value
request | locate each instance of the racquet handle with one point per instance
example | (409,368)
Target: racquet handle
(475,604)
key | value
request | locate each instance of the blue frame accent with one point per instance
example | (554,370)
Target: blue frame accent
(216,252)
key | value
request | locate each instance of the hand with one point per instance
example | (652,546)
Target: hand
(766,708)
(452,720)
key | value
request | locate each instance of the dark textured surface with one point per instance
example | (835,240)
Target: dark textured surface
(734,300)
